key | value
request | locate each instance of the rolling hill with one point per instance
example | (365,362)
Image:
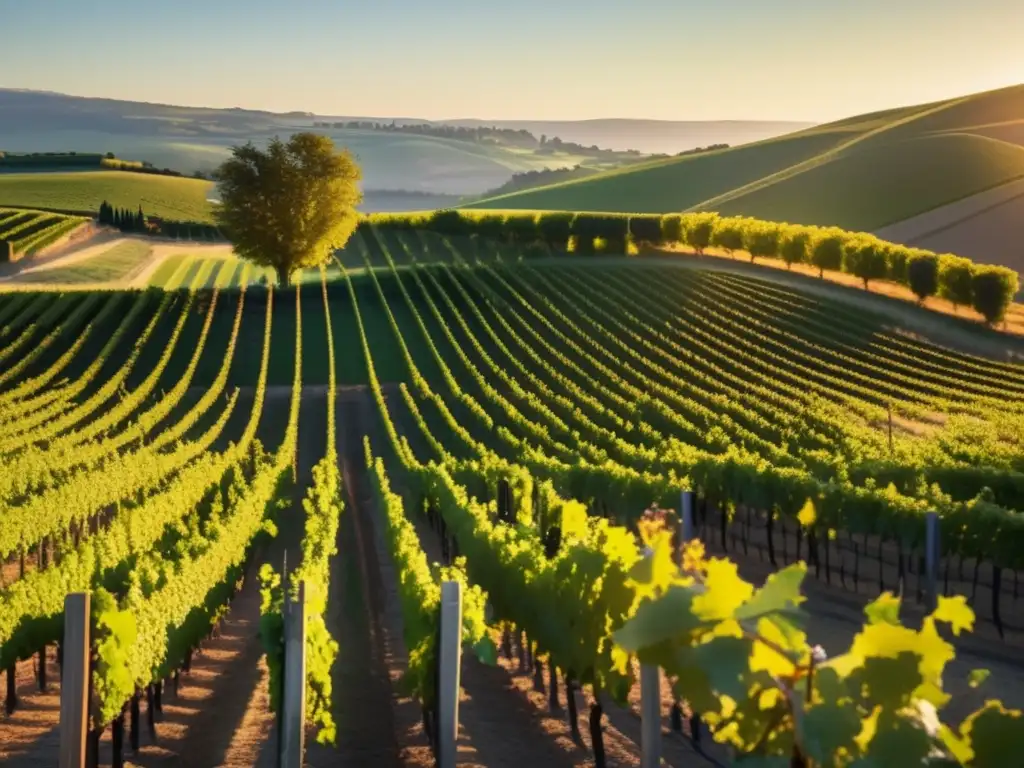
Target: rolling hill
(863,172)
(188,139)
(168,197)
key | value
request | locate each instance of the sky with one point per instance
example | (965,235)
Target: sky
(807,60)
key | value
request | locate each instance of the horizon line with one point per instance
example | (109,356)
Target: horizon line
(304,112)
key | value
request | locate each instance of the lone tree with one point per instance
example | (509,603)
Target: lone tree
(290,206)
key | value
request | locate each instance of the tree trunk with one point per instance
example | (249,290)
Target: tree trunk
(41,672)
(284,276)
(92,748)
(133,732)
(553,704)
(572,713)
(117,742)
(597,734)
(11,702)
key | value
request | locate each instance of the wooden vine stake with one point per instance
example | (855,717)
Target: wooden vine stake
(650,716)
(650,676)
(294,693)
(450,663)
(74,691)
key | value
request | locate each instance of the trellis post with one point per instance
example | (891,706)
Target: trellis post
(74,690)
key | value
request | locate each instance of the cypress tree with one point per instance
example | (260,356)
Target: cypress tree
(140,220)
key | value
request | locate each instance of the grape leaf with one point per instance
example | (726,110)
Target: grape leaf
(884,610)
(726,662)
(654,571)
(955,612)
(994,733)
(829,728)
(888,682)
(658,620)
(978,677)
(959,747)
(897,744)
(765,657)
(828,685)
(807,514)
(724,592)
(780,594)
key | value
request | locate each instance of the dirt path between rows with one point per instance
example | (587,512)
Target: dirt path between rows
(502,704)
(220,714)
(376,725)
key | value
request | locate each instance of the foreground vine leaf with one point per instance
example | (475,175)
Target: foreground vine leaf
(884,610)
(955,612)
(747,667)
(978,677)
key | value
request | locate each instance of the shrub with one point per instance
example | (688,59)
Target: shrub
(491,226)
(521,228)
(897,259)
(728,234)
(645,229)
(555,229)
(697,229)
(956,280)
(761,238)
(827,250)
(672,228)
(611,227)
(795,245)
(994,289)
(449,222)
(6,251)
(923,273)
(865,258)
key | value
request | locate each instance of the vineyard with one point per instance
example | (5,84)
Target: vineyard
(25,233)
(189,453)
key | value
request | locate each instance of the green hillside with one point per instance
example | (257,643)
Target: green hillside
(849,191)
(169,197)
(862,172)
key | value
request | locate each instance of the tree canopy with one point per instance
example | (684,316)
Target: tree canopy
(290,206)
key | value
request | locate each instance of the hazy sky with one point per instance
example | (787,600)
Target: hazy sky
(537,59)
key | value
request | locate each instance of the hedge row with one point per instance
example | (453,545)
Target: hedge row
(988,289)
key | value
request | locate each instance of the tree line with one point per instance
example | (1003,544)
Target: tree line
(122,218)
(127,220)
(987,289)
(539,178)
(480,134)
(545,176)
